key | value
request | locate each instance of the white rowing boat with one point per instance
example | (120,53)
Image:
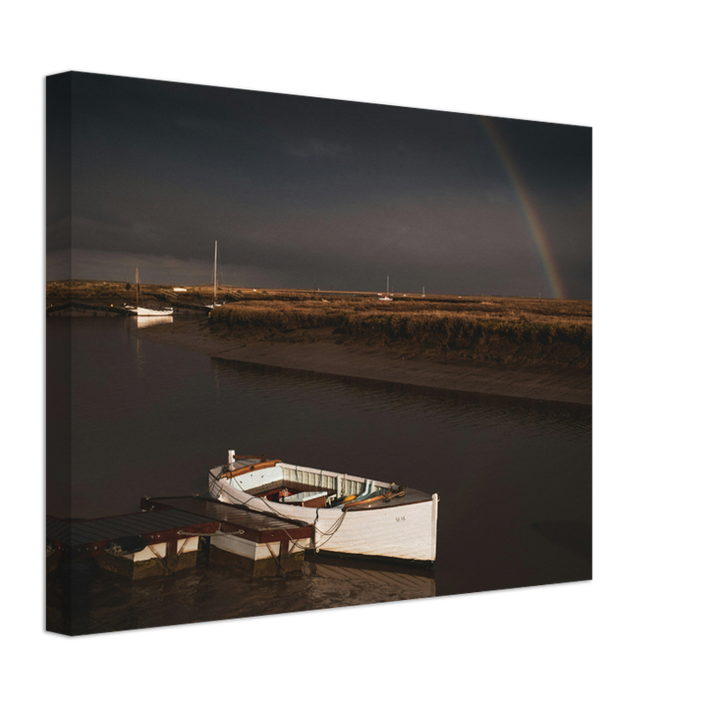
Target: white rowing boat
(350,514)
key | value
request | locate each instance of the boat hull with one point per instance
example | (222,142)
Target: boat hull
(145,312)
(400,532)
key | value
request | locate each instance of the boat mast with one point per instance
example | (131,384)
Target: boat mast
(137,288)
(215,277)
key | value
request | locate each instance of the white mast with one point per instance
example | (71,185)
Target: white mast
(215,277)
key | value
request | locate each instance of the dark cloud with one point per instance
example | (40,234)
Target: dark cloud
(300,190)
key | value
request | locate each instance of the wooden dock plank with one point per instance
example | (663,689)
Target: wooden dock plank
(76,535)
(260,527)
(166,520)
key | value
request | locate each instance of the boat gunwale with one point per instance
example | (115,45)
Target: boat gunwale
(231,473)
(399,502)
(223,472)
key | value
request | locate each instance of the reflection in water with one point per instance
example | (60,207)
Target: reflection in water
(381,579)
(143,322)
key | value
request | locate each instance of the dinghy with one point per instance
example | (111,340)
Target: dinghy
(350,514)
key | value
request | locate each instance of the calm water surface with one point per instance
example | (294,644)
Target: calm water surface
(513,477)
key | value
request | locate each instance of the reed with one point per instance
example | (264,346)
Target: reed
(499,331)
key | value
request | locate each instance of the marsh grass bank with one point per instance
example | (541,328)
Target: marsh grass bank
(506,346)
(498,330)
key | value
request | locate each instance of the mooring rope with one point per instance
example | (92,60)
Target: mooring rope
(228,492)
(277,562)
(295,544)
(163,561)
(333,529)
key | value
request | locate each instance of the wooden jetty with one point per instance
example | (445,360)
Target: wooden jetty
(169,534)
(259,543)
(75,307)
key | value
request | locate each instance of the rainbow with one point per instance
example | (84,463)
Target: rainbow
(528,210)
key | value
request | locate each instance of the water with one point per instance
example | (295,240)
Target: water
(513,477)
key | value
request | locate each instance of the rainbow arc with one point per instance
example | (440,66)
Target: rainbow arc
(522,194)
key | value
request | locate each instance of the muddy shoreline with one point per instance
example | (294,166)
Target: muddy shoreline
(403,366)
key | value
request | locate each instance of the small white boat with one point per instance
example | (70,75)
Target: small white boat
(386,297)
(145,311)
(350,514)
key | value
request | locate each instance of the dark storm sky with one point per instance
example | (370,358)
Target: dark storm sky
(299,191)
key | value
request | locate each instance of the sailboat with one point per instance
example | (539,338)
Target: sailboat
(145,311)
(387,297)
(215,303)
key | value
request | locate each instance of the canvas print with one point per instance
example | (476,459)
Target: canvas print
(307,353)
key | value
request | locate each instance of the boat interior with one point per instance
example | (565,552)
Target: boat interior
(316,497)
(314,488)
